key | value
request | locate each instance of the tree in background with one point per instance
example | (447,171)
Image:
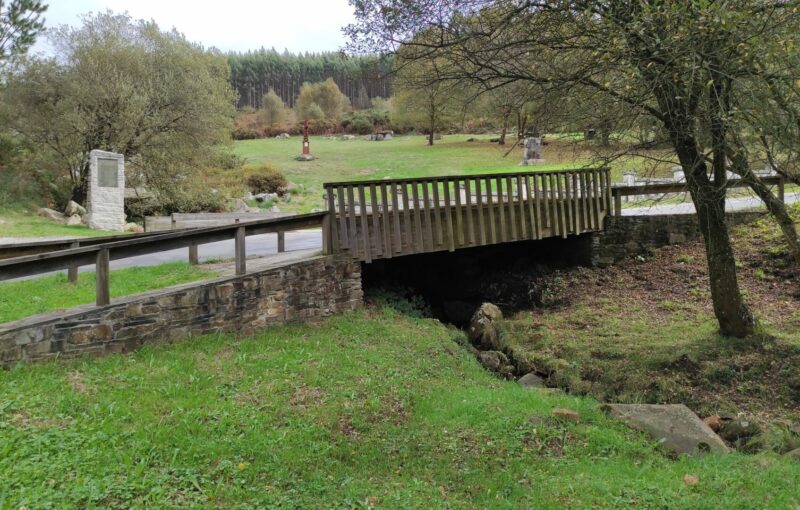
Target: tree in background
(680,63)
(20,22)
(272,108)
(323,99)
(124,86)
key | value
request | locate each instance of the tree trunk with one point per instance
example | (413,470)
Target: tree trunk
(731,312)
(775,206)
(432,120)
(502,140)
(80,191)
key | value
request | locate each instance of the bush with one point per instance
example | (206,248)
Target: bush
(267,179)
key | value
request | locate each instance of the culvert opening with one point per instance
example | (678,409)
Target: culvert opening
(452,286)
(513,276)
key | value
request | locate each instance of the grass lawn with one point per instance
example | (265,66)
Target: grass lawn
(403,156)
(371,409)
(24,298)
(28,224)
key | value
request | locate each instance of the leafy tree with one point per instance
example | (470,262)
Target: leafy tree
(682,64)
(325,97)
(272,108)
(20,23)
(125,86)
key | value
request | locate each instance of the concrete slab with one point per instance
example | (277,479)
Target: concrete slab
(675,426)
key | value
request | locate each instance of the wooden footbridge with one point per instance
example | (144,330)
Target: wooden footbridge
(381,219)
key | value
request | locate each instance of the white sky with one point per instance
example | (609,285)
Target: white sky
(232,25)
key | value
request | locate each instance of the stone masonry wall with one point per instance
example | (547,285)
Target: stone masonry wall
(629,236)
(303,291)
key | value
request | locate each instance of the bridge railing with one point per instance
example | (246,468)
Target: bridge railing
(618,192)
(383,218)
(101,254)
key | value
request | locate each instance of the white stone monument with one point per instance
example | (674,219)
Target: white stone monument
(105,204)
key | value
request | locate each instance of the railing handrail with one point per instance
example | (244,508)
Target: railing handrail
(460,177)
(57,260)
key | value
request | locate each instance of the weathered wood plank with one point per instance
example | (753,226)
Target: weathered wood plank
(459,211)
(522,206)
(490,208)
(352,213)
(365,237)
(102,284)
(510,207)
(419,244)
(468,211)
(448,217)
(344,239)
(537,205)
(240,251)
(567,202)
(72,270)
(408,243)
(386,222)
(562,217)
(437,214)
(479,205)
(426,208)
(376,236)
(398,235)
(333,230)
(501,210)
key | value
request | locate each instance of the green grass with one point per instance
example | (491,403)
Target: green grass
(30,297)
(403,156)
(28,224)
(368,410)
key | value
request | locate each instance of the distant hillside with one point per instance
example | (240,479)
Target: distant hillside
(359,78)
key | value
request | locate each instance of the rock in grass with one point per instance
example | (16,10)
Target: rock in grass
(74,208)
(794,454)
(51,214)
(74,220)
(483,328)
(739,430)
(531,380)
(496,361)
(566,414)
(675,426)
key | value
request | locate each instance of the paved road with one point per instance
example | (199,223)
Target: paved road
(733,204)
(312,239)
(259,245)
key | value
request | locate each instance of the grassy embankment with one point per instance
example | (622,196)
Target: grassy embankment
(24,298)
(644,331)
(369,410)
(25,223)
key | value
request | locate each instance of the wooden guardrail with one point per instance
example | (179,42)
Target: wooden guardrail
(385,218)
(680,187)
(101,254)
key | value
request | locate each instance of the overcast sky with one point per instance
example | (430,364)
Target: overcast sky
(232,25)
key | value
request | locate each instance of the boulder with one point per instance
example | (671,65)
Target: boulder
(240,205)
(794,454)
(283,136)
(51,214)
(74,208)
(675,426)
(305,157)
(483,328)
(74,220)
(531,380)
(387,136)
(714,422)
(265,197)
(348,137)
(496,361)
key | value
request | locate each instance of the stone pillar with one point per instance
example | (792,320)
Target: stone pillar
(105,203)
(532,151)
(629,178)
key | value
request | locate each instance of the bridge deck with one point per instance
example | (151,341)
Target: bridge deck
(389,218)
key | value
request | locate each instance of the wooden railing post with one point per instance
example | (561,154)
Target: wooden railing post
(281,242)
(194,258)
(72,270)
(241,260)
(617,204)
(102,290)
(781,189)
(327,234)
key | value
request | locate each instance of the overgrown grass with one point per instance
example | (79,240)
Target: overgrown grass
(28,224)
(369,410)
(24,298)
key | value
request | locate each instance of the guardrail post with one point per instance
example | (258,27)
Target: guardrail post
(281,242)
(72,270)
(241,261)
(326,234)
(194,259)
(781,189)
(102,291)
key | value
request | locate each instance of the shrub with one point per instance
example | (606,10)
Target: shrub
(267,179)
